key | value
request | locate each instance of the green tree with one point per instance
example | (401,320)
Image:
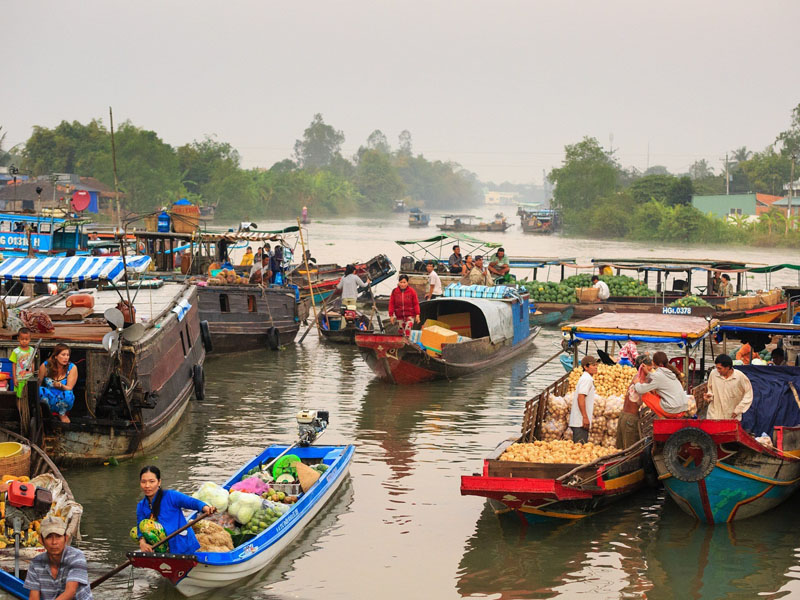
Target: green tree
(67,148)
(377,141)
(587,174)
(199,160)
(320,144)
(680,191)
(767,171)
(377,180)
(700,169)
(404,141)
(651,187)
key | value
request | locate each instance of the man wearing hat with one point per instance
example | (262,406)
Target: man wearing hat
(59,572)
(580,417)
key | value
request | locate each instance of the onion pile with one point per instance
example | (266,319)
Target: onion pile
(610,380)
(556,452)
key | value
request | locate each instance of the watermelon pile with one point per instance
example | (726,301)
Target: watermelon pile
(564,292)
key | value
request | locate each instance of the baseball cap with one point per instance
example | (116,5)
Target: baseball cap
(588,360)
(53,525)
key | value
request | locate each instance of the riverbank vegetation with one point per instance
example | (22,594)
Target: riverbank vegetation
(600,198)
(153,174)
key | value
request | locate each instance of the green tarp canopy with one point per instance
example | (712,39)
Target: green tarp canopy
(433,246)
(773,268)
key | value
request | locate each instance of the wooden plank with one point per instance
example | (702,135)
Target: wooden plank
(58,313)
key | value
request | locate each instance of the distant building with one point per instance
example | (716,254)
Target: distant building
(55,194)
(500,198)
(783,205)
(729,205)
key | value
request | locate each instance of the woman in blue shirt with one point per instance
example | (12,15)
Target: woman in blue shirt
(165,506)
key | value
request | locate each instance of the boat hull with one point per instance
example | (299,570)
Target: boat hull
(240,316)
(396,360)
(534,493)
(746,480)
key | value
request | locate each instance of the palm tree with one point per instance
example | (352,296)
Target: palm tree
(741,154)
(739,221)
(768,220)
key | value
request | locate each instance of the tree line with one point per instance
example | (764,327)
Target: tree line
(600,198)
(153,174)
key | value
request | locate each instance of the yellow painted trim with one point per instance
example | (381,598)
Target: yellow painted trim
(625,480)
(685,501)
(694,335)
(536,511)
(730,469)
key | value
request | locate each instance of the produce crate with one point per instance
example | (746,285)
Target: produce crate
(770,298)
(151,223)
(587,294)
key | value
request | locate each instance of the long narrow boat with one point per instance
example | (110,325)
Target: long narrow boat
(43,473)
(130,393)
(716,470)
(193,574)
(552,492)
(551,318)
(490,332)
(340,328)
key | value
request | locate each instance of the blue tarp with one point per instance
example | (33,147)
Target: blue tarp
(773,401)
(580,336)
(74,268)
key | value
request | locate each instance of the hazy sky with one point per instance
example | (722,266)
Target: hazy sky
(499,86)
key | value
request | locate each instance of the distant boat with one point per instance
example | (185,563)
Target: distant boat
(417,218)
(399,207)
(536,220)
(466,223)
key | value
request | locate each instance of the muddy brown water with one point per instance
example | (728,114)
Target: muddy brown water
(399,528)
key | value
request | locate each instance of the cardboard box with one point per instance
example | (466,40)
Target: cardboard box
(433,338)
(587,294)
(458,322)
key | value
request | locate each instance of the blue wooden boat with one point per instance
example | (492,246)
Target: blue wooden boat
(552,318)
(50,235)
(193,574)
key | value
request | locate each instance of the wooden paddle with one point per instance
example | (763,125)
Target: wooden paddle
(556,355)
(127,563)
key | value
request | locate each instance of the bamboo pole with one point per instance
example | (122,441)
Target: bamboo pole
(308,274)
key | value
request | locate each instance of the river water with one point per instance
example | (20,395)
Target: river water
(399,528)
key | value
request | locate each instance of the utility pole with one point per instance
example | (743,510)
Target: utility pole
(791,195)
(544,186)
(727,177)
(647,165)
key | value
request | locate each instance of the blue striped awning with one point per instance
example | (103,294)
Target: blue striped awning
(74,268)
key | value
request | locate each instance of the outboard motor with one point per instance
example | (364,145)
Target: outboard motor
(26,504)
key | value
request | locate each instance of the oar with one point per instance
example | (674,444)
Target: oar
(556,355)
(375,308)
(127,563)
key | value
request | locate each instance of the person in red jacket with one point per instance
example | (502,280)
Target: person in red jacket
(404,305)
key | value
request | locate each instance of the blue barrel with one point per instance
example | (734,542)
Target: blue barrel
(163,222)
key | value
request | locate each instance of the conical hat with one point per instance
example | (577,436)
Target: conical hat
(306,475)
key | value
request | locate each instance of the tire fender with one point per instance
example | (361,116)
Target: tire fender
(199,381)
(702,443)
(273,338)
(205,335)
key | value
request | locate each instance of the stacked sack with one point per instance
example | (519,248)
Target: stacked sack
(227,277)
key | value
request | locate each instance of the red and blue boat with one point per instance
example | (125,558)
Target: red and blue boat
(717,470)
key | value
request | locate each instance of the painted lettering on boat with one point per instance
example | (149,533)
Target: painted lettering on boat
(676,310)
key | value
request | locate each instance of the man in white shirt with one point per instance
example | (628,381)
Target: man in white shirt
(730,392)
(602,286)
(434,282)
(580,417)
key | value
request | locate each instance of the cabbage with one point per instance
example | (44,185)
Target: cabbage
(213,494)
(242,506)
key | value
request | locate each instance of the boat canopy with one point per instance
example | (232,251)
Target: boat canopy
(672,264)
(773,268)
(755,327)
(459,217)
(73,268)
(529,205)
(213,236)
(657,329)
(531,262)
(18,218)
(433,246)
(491,318)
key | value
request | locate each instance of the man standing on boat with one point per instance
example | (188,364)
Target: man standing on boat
(434,282)
(729,393)
(580,417)
(455,262)
(603,292)
(260,272)
(349,286)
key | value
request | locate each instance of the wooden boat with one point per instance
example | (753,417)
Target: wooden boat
(534,219)
(325,277)
(494,331)
(464,223)
(339,328)
(551,318)
(45,474)
(248,316)
(49,235)
(716,470)
(240,316)
(193,574)
(553,492)
(417,218)
(129,398)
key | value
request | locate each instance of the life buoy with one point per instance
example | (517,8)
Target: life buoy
(273,338)
(205,335)
(700,445)
(199,380)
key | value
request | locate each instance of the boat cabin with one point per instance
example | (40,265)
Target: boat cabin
(417,218)
(49,235)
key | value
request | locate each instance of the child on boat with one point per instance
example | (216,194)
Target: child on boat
(22,357)
(663,392)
